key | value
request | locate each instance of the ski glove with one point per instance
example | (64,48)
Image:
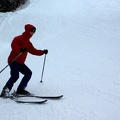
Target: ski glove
(46,51)
(22,50)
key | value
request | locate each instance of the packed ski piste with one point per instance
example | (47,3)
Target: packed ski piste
(60,60)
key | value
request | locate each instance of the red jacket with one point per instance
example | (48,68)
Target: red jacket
(23,41)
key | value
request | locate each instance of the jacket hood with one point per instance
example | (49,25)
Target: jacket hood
(28,27)
(27,30)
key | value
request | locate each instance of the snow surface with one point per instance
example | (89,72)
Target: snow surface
(83,64)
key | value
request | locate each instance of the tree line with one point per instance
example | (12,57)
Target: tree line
(10,5)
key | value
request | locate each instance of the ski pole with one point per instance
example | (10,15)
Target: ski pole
(43,68)
(10,62)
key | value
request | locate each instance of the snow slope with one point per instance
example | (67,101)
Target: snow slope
(83,63)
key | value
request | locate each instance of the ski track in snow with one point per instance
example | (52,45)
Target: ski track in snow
(83,61)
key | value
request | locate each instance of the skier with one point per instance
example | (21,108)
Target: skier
(21,44)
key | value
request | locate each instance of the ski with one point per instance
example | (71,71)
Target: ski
(42,97)
(47,97)
(16,99)
(31,102)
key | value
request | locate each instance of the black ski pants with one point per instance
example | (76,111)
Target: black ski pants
(15,69)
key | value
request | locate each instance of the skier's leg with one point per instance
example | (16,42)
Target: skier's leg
(27,75)
(14,67)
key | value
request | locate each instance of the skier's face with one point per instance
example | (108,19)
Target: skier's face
(31,33)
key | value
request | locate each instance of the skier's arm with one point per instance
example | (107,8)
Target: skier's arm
(34,51)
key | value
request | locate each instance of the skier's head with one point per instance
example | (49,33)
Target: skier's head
(29,30)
